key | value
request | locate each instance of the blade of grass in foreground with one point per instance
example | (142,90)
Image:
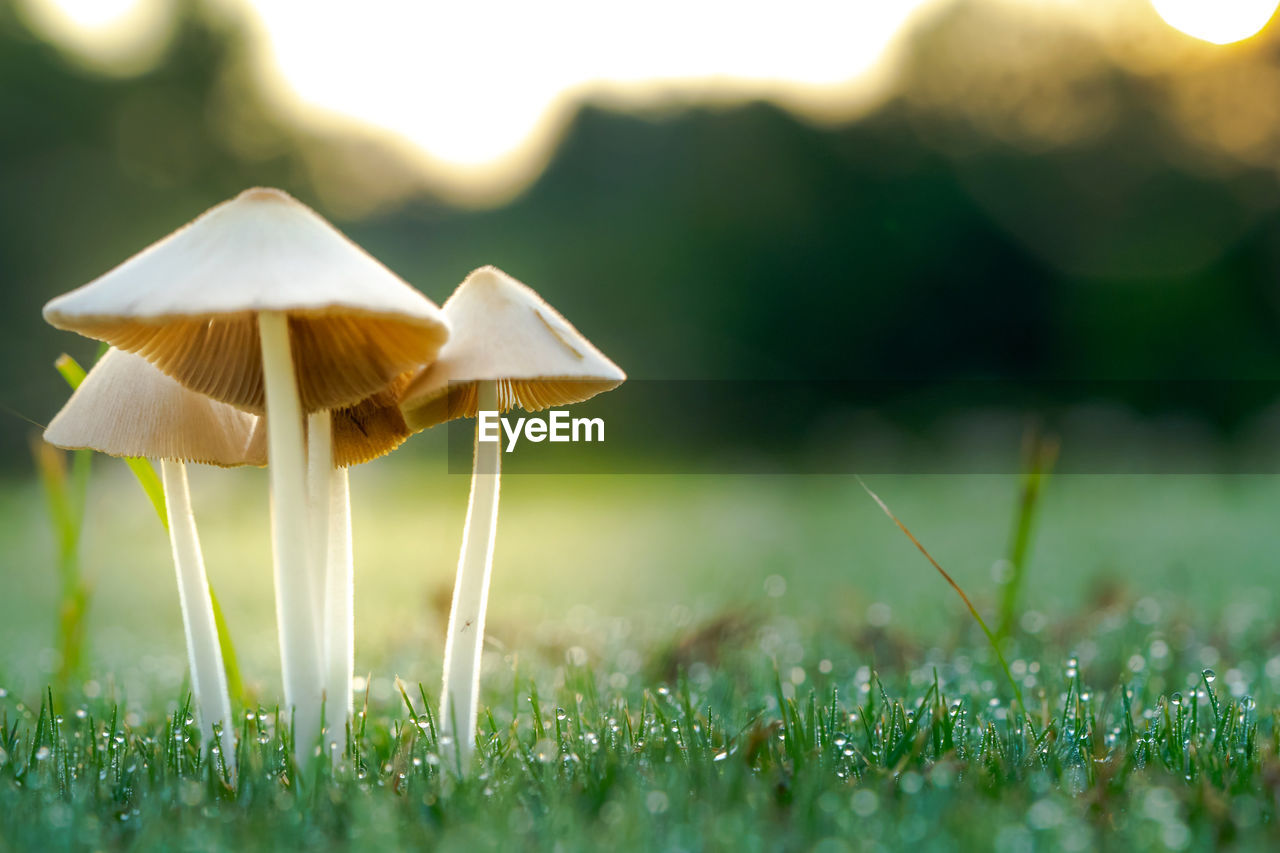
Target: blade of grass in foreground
(1017,692)
(64,494)
(147,478)
(1040,451)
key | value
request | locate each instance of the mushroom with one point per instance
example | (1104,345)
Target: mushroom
(336,440)
(126,407)
(508,348)
(262,304)
(371,428)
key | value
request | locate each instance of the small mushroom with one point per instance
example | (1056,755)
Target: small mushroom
(336,440)
(508,348)
(262,304)
(126,407)
(369,429)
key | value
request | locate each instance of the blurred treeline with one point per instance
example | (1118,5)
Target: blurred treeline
(1025,206)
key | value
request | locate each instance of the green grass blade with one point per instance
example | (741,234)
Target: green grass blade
(230,663)
(1017,691)
(70,369)
(1040,452)
(66,515)
(74,374)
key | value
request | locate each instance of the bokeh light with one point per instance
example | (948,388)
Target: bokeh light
(109,36)
(1219,22)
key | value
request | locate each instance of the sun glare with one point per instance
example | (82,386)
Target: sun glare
(115,36)
(479,91)
(1217,21)
(473,84)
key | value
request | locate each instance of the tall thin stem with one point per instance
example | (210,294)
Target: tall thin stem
(290,536)
(339,613)
(319,464)
(208,677)
(465,640)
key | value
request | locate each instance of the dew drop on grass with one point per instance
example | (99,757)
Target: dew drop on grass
(1209,675)
(42,753)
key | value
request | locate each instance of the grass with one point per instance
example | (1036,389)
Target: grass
(730,752)
(770,665)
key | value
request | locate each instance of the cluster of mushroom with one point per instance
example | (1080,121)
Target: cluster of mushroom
(260,334)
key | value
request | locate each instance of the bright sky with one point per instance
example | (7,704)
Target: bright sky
(479,86)
(482,87)
(469,81)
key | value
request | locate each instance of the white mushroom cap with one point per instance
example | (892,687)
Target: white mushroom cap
(188,304)
(503,331)
(126,407)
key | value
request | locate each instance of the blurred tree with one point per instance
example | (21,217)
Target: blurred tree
(992,220)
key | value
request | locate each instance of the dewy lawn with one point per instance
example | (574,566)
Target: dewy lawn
(687,663)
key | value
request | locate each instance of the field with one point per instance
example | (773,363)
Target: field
(904,257)
(686,663)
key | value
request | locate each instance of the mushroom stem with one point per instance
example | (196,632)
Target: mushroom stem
(319,464)
(465,640)
(204,655)
(339,614)
(330,529)
(295,602)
